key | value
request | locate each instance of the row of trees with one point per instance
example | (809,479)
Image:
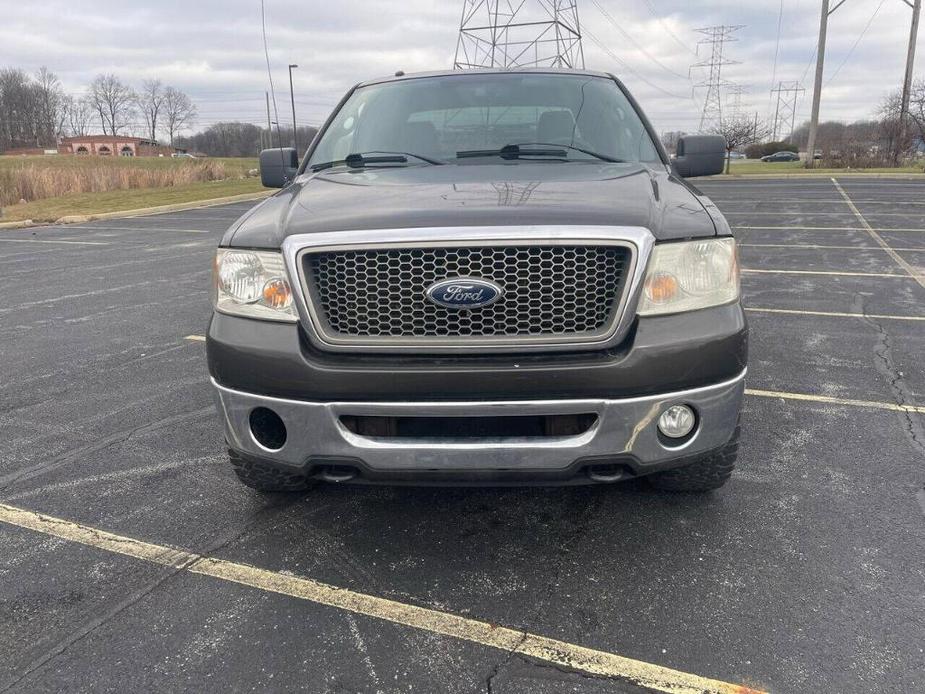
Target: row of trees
(236,139)
(35,111)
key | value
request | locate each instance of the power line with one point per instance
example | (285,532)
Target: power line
(855,44)
(780,20)
(654,12)
(627,68)
(629,37)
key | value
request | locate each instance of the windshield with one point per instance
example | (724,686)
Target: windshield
(438,117)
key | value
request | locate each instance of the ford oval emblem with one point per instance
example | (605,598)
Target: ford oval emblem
(464,292)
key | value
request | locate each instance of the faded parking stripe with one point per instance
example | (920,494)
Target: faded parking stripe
(559,653)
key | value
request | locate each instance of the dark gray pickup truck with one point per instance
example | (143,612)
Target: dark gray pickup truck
(482,277)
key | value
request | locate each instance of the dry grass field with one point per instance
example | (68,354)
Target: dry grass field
(45,188)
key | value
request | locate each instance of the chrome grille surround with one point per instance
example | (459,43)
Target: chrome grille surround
(552,243)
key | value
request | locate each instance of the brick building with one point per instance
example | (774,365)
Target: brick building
(114,146)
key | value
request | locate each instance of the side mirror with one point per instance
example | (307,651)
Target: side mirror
(278,166)
(700,155)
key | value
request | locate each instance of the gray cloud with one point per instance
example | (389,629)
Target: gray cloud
(213,48)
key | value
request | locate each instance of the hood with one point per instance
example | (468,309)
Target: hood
(505,194)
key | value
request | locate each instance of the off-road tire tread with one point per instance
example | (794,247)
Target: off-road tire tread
(706,474)
(267,478)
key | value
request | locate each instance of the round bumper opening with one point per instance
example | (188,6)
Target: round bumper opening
(267,428)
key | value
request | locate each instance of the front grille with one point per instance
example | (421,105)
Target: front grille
(547,291)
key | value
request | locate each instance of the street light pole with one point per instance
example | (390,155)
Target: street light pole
(295,140)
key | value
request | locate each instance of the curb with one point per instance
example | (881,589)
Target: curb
(830,174)
(16,225)
(141,211)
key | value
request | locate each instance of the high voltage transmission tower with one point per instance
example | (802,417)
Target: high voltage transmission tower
(716,37)
(785,113)
(519,33)
(735,92)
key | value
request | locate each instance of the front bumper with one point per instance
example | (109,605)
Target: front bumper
(624,438)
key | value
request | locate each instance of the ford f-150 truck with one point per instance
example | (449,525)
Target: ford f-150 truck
(482,277)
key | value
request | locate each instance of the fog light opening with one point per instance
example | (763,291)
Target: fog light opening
(267,428)
(677,425)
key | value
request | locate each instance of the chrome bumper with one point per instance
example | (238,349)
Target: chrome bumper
(625,430)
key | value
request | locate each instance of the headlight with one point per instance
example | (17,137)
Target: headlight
(690,275)
(252,284)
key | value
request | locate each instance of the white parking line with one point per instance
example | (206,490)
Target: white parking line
(76,243)
(195,338)
(815,201)
(559,653)
(833,314)
(142,228)
(822,246)
(801,228)
(729,213)
(913,272)
(824,272)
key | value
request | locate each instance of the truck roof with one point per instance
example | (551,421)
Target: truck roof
(484,71)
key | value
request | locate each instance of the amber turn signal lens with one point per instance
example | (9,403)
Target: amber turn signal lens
(277,294)
(661,287)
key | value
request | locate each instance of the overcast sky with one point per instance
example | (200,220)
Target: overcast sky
(213,48)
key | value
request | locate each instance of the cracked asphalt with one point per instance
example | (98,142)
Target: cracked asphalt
(805,573)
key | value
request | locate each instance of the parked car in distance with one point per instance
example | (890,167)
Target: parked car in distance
(183,155)
(437,296)
(737,155)
(781,156)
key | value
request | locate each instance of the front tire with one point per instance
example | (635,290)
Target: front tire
(703,475)
(267,478)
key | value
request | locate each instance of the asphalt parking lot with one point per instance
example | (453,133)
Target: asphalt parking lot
(805,573)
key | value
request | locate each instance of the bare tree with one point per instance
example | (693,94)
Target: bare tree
(740,131)
(17,110)
(113,101)
(179,112)
(50,99)
(78,113)
(150,102)
(901,138)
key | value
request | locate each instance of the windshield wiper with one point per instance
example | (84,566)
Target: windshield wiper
(358,161)
(596,155)
(511,152)
(516,151)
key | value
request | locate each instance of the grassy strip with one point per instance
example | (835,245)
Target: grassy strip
(50,209)
(745,168)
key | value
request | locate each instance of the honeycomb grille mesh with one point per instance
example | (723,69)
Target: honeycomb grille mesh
(547,290)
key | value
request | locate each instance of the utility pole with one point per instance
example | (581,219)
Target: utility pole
(907,81)
(295,136)
(817,87)
(717,37)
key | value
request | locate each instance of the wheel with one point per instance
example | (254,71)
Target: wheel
(710,472)
(267,478)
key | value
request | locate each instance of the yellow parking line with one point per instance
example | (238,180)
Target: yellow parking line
(558,653)
(824,272)
(835,314)
(195,338)
(879,239)
(835,401)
